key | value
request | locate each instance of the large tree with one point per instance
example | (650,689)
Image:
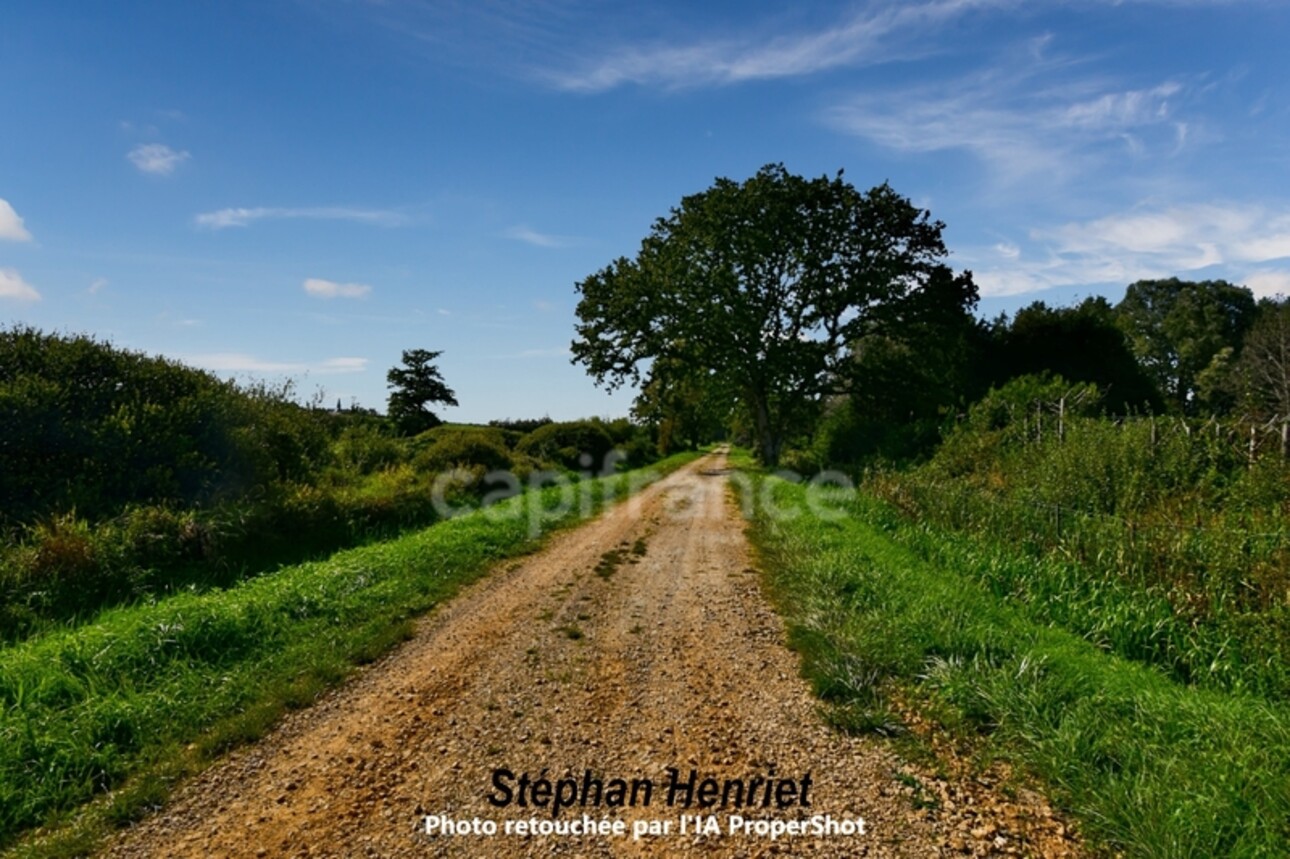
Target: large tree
(1183,332)
(414,387)
(764,285)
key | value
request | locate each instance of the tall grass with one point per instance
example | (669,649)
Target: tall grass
(116,702)
(1150,766)
(1160,542)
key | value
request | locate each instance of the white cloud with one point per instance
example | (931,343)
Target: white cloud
(241,362)
(1227,240)
(876,34)
(1269,284)
(14,287)
(1117,110)
(319,288)
(242,217)
(157,158)
(1014,124)
(11,226)
(97,285)
(1183,237)
(522,233)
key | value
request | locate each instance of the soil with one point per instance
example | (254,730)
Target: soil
(638,642)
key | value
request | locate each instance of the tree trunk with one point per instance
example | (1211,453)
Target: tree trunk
(768,442)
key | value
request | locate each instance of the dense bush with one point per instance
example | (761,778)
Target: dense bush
(367,446)
(579,445)
(468,448)
(92,428)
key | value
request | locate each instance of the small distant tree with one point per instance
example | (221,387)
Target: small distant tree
(414,387)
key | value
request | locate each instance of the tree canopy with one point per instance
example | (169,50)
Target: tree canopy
(765,285)
(1080,344)
(1185,333)
(414,387)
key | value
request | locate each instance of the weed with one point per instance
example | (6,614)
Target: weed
(609,563)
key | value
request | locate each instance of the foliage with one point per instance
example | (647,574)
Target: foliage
(521,425)
(1148,766)
(129,478)
(765,285)
(1159,539)
(92,428)
(1184,333)
(503,438)
(415,387)
(576,445)
(464,449)
(1080,344)
(688,407)
(1263,372)
(366,447)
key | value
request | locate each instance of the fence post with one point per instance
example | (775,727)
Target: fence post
(1285,438)
(1253,444)
(1061,420)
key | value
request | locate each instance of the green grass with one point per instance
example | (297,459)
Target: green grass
(1158,541)
(113,712)
(1148,765)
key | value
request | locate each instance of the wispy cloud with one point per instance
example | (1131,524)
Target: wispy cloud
(241,362)
(11,225)
(242,217)
(879,33)
(529,236)
(1015,124)
(13,287)
(319,288)
(97,285)
(1232,240)
(157,158)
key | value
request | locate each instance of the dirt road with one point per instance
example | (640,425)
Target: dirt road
(634,644)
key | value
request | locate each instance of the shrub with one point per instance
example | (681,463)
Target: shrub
(567,443)
(364,448)
(469,448)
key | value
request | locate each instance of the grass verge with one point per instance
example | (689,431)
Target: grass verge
(114,712)
(1149,766)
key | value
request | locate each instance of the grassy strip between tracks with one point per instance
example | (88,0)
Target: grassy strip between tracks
(1150,767)
(100,721)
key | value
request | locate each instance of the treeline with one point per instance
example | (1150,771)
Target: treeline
(1169,347)
(124,476)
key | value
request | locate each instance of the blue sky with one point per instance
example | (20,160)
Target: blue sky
(304,189)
